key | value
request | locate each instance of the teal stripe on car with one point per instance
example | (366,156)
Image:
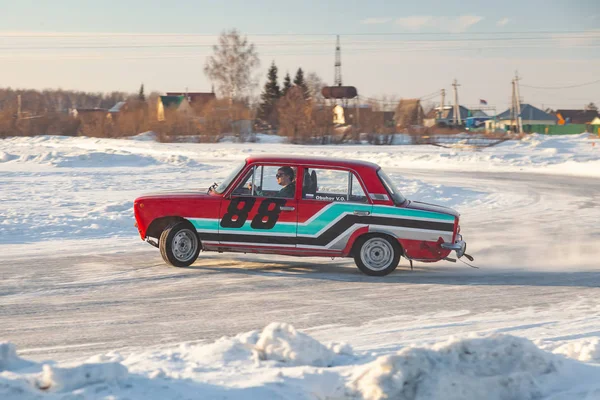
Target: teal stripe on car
(406,212)
(323,220)
(205,224)
(330,214)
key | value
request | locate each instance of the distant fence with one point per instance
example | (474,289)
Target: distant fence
(570,129)
(470,140)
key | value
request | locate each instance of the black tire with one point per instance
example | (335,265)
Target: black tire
(377,254)
(179,244)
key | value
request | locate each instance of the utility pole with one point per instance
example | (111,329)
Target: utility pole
(456,108)
(338,63)
(441,113)
(513,104)
(19,106)
(518,98)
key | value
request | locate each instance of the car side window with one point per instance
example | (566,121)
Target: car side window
(332,185)
(357,194)
(268,181)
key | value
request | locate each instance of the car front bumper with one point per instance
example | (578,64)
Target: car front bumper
(459,245)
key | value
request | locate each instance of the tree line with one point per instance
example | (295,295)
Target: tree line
(295,109)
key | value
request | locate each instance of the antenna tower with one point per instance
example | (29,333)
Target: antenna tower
(338,63)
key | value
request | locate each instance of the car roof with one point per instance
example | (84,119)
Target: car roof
(310,160)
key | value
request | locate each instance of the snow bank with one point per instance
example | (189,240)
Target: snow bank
(498,367)
(281,342)
(9,361)
(57,379)
(586,350)
(224,351)
(149,136)
(280,362)
(571,155)
(22,379)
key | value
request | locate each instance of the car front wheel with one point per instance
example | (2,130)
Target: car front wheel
(179,244)
(377,255)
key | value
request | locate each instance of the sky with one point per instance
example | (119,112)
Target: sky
(397,49)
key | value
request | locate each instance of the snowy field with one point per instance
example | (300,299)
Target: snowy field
(525,325)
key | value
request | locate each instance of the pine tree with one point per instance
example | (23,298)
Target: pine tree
(299,81)
(287,84)
(141,95)
(271,93)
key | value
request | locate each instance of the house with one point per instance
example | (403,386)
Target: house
(198,100)
(530,115)
(430,118)
(575,116)
(595,126)
(179,104)
(477,114)
(117,108)
(409,113)
(476,122)
(445,116)
(388,118)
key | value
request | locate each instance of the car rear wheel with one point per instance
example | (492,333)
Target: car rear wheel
(179,244)
(377,255)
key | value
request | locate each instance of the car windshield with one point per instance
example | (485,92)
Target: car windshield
(391,188)
(225,184)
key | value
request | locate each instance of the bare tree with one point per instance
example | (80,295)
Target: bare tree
(322,120)
(232,64)
(315,84)
(295,120)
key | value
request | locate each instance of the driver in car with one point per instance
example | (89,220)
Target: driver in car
(285,178)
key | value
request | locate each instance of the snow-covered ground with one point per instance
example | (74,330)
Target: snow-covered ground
(74,196)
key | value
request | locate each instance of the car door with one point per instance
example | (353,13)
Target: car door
(331,207)
(255,216)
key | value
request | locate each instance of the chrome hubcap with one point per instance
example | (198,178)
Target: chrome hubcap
(184,245)
(377,254)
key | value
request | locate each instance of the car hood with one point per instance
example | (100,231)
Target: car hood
(417,205)
(175,194)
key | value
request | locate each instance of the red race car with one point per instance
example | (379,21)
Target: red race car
(301,206)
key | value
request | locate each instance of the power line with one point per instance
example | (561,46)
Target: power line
(562,87)
(106,34)
(368,44)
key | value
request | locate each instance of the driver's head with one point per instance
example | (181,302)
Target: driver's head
(285,176)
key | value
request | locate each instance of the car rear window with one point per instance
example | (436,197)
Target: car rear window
(391,187)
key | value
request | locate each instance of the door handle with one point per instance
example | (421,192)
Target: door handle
(287,208)
(363,213)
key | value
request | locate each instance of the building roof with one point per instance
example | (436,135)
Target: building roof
(578,116)
(478,113)
(195,97)
(409,112)
(117,107)
(448,113)
(171,101)
(91,110)
(528,113)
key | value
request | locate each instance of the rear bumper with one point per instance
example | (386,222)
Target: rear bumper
(459,245)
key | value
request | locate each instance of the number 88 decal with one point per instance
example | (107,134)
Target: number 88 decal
(266,216)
